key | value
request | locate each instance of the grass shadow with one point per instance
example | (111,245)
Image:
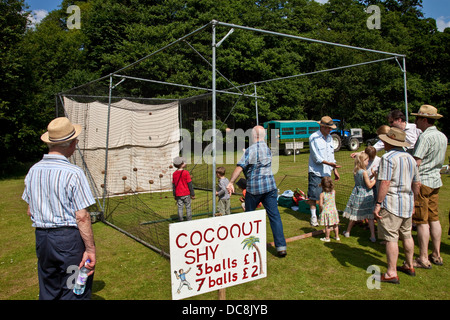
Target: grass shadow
(357,257)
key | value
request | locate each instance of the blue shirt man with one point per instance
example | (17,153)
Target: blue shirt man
(256,163)
(321,163)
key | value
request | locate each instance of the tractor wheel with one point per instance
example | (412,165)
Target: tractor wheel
(336,142)
(353,144)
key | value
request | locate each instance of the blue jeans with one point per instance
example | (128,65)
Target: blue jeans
(269,201)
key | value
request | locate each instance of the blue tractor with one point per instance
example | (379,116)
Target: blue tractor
(344,137)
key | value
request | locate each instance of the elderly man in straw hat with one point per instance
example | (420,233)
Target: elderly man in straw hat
(58,193)
(399,184)
(429,153)
(321,163)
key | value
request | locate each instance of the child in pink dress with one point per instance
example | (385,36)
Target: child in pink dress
(329,216)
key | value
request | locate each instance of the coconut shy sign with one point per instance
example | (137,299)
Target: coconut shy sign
(215,253)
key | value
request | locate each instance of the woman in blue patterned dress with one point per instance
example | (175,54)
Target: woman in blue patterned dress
(361,202)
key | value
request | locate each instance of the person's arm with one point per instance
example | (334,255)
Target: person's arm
(191,189)
(314,151)
(369,183)
(84,226)
(418,161)
(336,173)
(321,201)
(382,192)
(236,173)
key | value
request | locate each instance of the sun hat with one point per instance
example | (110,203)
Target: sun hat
(427,111)
(395,137)
(61,130)
(326,121)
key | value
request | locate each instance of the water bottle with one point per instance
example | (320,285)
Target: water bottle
(80,283)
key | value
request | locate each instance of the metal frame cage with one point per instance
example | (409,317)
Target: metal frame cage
(94,91)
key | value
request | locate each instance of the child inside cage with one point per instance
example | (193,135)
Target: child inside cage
(183,191)
(223,206)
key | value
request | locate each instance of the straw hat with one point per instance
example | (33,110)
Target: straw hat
(395,137)
(61,130)
(326,121)
(427,111)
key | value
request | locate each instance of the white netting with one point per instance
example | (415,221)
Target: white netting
(142,141)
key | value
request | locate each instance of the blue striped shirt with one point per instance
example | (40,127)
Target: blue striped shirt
(400,168)
(256,162)
(320,149)
(55,190)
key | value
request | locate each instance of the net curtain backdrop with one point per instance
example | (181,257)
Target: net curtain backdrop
(143,140)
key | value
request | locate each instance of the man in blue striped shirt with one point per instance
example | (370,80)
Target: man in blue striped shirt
(58,195)
(399,185)
(256,163)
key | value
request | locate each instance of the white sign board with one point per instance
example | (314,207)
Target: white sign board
(215,253)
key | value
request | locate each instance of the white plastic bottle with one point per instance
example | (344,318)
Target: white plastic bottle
(80,283)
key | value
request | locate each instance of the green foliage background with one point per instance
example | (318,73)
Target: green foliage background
(38,62)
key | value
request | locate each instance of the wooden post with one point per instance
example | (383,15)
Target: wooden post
(302,236)
(222,294)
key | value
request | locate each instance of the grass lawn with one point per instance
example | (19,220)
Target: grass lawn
(312,270)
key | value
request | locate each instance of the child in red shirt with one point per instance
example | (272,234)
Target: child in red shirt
(183,191)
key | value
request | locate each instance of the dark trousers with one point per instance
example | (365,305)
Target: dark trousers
(269,201)
(59,252)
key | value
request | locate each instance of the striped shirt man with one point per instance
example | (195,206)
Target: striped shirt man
(400,168)
(55,190)
(431,148)
(256,163)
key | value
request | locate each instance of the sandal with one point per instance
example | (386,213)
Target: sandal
(419,264)
(409,271)
(437,261)
(394,280)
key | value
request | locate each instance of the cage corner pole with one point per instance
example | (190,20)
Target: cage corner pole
(213,44)
(405,88)
(107,140)
(256,107)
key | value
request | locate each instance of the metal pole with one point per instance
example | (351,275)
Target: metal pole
(213,118)
(306,39)
(256,107)
(107,140)
(405,88)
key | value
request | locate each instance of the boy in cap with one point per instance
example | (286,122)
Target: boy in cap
(182,188)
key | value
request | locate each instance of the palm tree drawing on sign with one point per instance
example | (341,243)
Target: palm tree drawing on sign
(250,243)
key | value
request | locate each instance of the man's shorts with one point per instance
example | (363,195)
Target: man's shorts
(314,188)
(426,205)
(392,228)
